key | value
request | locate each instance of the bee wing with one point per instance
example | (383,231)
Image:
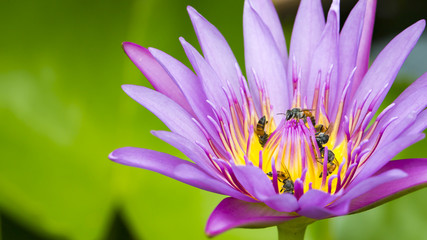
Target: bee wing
(287,174)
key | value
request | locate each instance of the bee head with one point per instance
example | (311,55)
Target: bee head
(289,114)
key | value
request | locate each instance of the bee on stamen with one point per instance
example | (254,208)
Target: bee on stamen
(298,113)
(262,135)
(321,136)
(285,178)
(320,128)
(332,161)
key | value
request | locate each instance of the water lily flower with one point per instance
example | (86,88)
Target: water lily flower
(298,138)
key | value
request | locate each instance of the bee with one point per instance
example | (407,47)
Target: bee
(262,135)
(281,175)
(320,128)
(261,126)
(288,186)
(321,136)
(299,113)
(332,161)
(321,139)
(285,178)
(263,139)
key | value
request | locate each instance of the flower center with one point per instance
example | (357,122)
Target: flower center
(298,154)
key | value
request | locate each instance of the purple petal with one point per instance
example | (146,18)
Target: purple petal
(167,165)
(314,204)
(386,66)
(155,73)
(382,156)
(261,56)
(419,125)
(308,27)
(369,184)
(192,174)
(282,202)
(325,56)
(179,122)
(316,212)
(233,213)
(350,37)
(192,88)
(416,170)
(315,197)
(190,149)
(268,14)
(216,50)
(211,82)
(186,80)
(255,181)
(407,107)
(365,44)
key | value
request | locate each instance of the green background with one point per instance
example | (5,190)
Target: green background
(62,112)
